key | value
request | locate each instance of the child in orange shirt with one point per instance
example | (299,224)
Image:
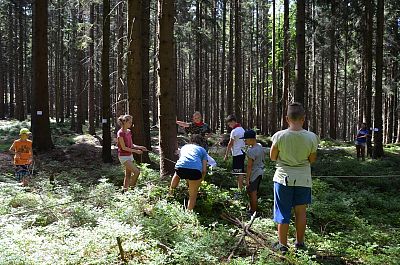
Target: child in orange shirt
(22,149)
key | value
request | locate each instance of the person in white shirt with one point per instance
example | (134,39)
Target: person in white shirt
(235,146)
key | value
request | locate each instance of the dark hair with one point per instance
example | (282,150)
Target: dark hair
(196,139)
(230,118)
(295,111)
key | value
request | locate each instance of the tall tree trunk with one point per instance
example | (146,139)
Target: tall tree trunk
(198,56)
(145,76)
(274,85)
(322,89)
(105,78)
(154,85)
(344,129)
(286,67)
(378,134)
(223,88)
(229,82)
(136,68)
(314,71)
(11,55)
(300,51)
(332,124)
(368,69)
(120,62)
(166,87)
(40,112)
(92,130)
(238,61)
(19,95)
(2,81)
(80,85)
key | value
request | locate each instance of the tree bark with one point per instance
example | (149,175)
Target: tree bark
(229,82)
(273,124)
(136,68)
(40,113)
(286,68)
(300,52)
(92,130)
(368,69)
(238,61)
(166,87)
(378,129)
(332,124)
(105,78)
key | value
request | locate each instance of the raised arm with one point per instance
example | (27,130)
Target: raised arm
(182,124)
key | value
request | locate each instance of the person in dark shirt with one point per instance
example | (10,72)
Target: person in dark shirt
(197,126)
(361,141)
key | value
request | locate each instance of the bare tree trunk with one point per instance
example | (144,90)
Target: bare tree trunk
(286,67)
(19,95)
(105,77)
(40,112)
(332,124)
(322,89)
(92,130)
(2,82)
(223,88)
(166,87)
(229,82)
(368,72)
(378,131)
(300,52)
(274,85)
(238,61)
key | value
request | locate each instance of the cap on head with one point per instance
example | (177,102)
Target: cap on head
(250,134)
(24,131)
(295,111)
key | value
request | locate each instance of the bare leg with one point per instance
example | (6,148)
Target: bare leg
(283,233)
(240,181)
(193,189)
(127,178)
(253,200)
(174,183)
(301,222)
(133,169)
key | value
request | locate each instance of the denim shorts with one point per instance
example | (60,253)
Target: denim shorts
(287,197)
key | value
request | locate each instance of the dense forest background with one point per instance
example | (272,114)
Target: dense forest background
(251,57)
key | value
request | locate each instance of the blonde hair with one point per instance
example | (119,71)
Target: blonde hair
(124,118)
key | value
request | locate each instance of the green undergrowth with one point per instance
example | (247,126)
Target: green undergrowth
(78,218)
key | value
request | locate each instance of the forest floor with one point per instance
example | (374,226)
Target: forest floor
(78,216)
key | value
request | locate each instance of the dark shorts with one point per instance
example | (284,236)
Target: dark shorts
(238,164)
(287,197)
(21,172)
(254,185)
(188,173)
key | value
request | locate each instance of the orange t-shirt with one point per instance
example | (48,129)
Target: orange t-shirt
(23,152)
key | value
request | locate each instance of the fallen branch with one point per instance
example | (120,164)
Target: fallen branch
(244,233)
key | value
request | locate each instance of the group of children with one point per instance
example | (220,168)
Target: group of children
(293,149)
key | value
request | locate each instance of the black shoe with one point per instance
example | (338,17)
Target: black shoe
(281,249)
(300,246)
